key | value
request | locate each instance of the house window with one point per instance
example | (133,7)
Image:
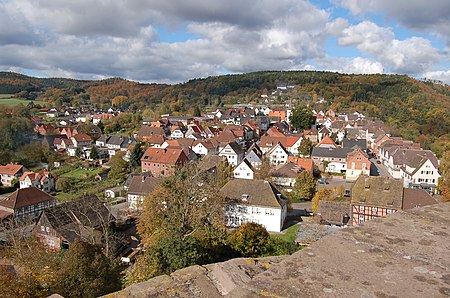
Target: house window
(248,174)
(374,209)
(361,208)
(47,229)
(271,212)
(361,219)
(389,211)
(267,211)
(42,229)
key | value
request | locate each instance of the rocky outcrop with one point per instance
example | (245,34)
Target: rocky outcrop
(212,280)
(406,254)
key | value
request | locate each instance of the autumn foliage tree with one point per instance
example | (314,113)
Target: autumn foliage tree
(181,224)
(87,272)
(250,240)
(304,188)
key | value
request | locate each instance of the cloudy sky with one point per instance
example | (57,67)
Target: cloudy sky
(176,40)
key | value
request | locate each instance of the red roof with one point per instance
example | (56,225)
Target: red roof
(170,156)
(327,141)
(10,169)
(274,132)
(306,163)
(81,137)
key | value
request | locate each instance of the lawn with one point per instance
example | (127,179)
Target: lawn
(9,100)
(81,173)
(288,235)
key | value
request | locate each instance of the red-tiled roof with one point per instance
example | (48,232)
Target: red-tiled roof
(10,169)
(326,141)
(305,163)
(81,137)
(170,156)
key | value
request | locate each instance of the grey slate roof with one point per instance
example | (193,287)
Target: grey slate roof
(330,152)
(143,185)
(258,192)
(350,143)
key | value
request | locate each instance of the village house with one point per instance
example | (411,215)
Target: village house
(177,132)
(25,202)
(10,172)
(233,152)
(285,175)
(277,155)
(333,160)
(306,163)
(85,219)
(205,147)
(373,197)
(140,187)
(420,171)
(147,133)
(358,163)
(244,170)
(326,142)
(42,180)
(81,140)
(254,156)
(162,162)
(255,201)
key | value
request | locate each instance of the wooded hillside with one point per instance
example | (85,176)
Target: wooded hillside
(414,109)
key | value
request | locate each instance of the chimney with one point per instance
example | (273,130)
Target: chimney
(143,178)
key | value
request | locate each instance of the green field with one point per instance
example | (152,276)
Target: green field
(288,235)
(81,173)
(9,100)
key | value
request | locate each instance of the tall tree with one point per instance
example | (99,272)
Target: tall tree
(135,156)
(87,272)
(305,186)
(181,225)
(305,147)
(302,118)
(94,153)
(119,167)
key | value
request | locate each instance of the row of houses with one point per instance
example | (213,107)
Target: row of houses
(372,198)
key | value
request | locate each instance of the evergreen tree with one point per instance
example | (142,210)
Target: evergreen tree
(94,153)
(136,155)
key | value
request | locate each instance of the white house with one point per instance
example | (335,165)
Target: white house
(254,156)
(278,155)
(255,201)
(140,187)
(421,172)
(244,170)
(233,153)
(176,133)
(204,147)
(42,180)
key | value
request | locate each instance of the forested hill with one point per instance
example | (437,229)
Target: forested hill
(415,109)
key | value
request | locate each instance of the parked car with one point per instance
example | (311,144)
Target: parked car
(322,181)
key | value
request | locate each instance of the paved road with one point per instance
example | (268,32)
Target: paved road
(378,169)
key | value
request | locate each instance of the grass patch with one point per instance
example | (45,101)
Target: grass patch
(288,235)
(81,173)
(65,197)
(10,101)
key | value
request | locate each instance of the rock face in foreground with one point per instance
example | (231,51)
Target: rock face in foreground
(406,254)
(213,280)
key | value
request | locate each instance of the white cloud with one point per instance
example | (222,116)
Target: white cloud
(410,56)
(430,16)
(440,75)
